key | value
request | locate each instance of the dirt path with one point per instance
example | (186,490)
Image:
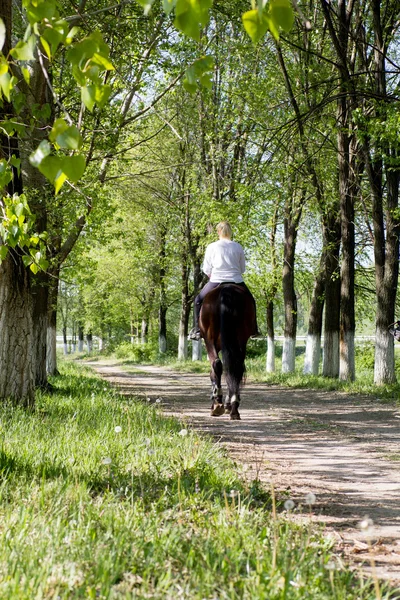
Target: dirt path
(339,447)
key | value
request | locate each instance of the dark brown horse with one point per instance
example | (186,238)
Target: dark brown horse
(227,320)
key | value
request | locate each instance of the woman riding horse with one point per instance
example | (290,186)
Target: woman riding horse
(224,261)
(225,316)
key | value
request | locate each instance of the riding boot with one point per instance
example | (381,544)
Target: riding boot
(194,333)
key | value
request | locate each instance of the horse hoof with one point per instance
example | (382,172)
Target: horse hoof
(218,410)
(235,417)
(228,409)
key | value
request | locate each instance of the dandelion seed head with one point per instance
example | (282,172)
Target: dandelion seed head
(158,400)
(106,460)
(147,441)
(183,432)
(118,429)
(150,451)
(330,565)
(289,504)
(233,493)
(366,524)
(310,499)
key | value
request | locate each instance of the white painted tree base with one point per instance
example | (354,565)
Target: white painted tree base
(384,358)
(270,363)
(313,354)
(182,347)
(288,355)
(197,349)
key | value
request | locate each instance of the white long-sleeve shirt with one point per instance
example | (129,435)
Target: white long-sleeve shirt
(224,261)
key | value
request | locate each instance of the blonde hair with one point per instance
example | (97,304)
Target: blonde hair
(224,229)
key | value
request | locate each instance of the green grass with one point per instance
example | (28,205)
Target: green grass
(88,511)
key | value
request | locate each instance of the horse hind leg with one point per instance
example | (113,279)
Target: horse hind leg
(234,402)
(232,407)
(217,406)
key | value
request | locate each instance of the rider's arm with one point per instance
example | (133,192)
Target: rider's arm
(207,265)
(242,262)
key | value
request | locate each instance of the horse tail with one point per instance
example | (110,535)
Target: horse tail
(232,308)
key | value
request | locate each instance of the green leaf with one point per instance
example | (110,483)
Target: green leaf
(19,209)
(82,51)
(189,87)
(2,34)
(38,10)
(51,167)
(59,181)
(3,252)
(46,47)
(74,167)
(5,173)
(34,268)
(25,50)
(43,150)
(88,94)
(102,61)
(27,260)
(281,13)
(55,32)
(4,66)
(191,16)
(102,94)
(16,162)
(255,26)
(26,74)
(59,126)
(43,264)
(169,5)
(66,136)
(5,85)
(198,72)
(147,4)
(70,138)
(71,34)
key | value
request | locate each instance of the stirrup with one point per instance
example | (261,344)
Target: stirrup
(194,334)
(256,335)
(394,330)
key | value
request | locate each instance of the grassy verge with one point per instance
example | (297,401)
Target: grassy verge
(103,497)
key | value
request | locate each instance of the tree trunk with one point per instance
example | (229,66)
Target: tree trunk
(183,329)
(162,328)
(386,251)
(40,296)
(162,309)
(65,341)
(313,343)
(270,364)
(346,191)
(89,342)
(330,365)
(17,364)
(80,338)
(51,357)
(289,297)
(144,330)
